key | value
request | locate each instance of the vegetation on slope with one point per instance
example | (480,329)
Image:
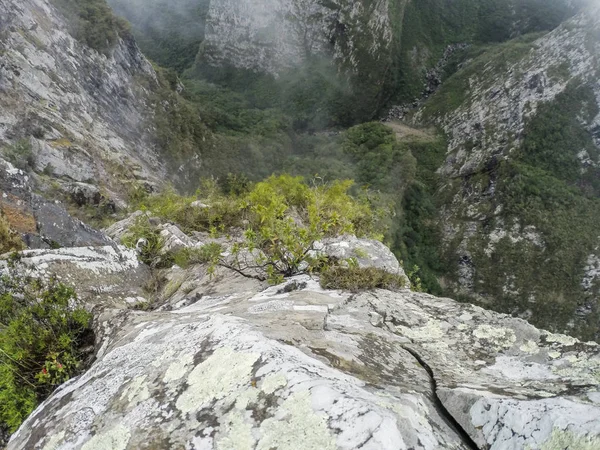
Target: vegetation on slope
(277,222)
(93,23)
(168,32)
(429,26)
(547,190)
(250,125)
(546,187)
(41,340)
(10,240)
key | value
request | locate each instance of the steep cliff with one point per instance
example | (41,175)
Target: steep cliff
(520,195)
(383,48)
(71,111)
(192,348)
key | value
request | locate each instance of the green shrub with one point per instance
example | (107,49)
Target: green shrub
(356,279)
(142,229)
(20,154)
(186,257)
(281,218)
(42,335)
(222,211)
(286,217)
(9,239)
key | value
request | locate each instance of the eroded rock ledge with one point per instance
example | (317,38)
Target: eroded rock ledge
(229,363)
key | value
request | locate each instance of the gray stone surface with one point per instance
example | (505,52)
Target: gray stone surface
(275,35)
(367,252)
(84,113)
(42,223)
(487,128)
(101,276)
(228,363)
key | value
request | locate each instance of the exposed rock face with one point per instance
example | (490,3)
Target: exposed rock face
(275,35)
(42,224)
(366,252)
(498,104)
(106,276)
(85,115)
(226,363)
(487,128)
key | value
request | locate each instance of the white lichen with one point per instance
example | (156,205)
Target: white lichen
(137,390)
(55,441)
(497,337)
(530,347)
(564,439)
(223,374)
(178,369)
(116,438)
(296,422)
(561,339)
(273,382)
(236,433)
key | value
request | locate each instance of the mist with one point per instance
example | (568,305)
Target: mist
(168,31)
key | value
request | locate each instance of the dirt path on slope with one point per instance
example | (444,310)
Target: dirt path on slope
(404,132)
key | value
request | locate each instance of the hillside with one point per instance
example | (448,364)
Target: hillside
(312,224)
(519,194)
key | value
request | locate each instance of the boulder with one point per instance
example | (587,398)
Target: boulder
(119,229)
(174,238)
(42,223)
(57,228)
(228,364)
(108,276)
(84,194)
(367,252)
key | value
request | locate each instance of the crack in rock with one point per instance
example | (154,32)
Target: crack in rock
(442,410)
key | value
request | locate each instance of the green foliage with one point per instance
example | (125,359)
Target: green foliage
(546,192)
(415,280)
(381,162)
(41,336)
(93,23)
(455,91)
(168,35)
(429,26)
(555,137)
(10,241)
(226,111)
(151,241)
(355,279)
(216,210)
(287,217)
(179,130)
(405,171)
(282,216)
(418,238)
(20,155)
(186,257)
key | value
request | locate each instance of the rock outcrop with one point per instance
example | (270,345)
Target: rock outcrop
(82,116)
(226,362)
(276,35)
(41,223)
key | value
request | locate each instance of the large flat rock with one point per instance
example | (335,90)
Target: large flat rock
(226,363)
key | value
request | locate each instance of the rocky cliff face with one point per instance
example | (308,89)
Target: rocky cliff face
(226,362)
(276,35)
(84,116)
(510,205)
(190,359)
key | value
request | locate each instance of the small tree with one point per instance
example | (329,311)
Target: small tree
(286,217)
